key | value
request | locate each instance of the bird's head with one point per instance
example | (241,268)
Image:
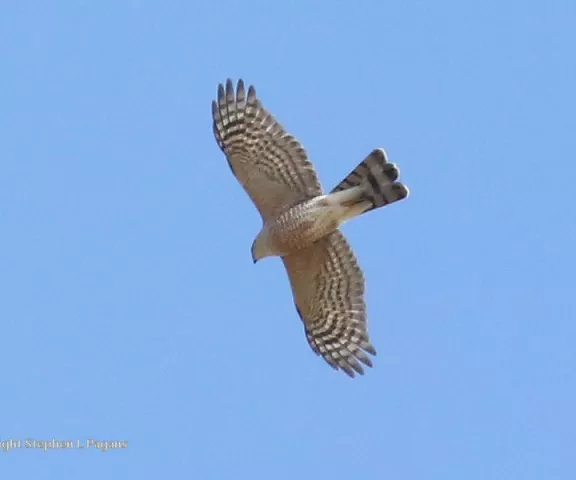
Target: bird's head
(260,247)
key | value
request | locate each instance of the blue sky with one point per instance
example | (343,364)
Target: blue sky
(130,308)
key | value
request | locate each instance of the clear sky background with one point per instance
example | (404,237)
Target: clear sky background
(129,305)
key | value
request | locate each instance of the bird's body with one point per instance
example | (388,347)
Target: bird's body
(301,225)
(300,221)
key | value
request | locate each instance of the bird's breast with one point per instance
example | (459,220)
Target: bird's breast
(301,226)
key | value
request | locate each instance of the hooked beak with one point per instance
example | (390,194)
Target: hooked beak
(254,256)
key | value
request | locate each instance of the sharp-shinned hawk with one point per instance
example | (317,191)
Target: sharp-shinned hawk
(300,222)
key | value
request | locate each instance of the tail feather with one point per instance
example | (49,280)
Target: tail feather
(378,179)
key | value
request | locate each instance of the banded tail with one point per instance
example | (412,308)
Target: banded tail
(378,179)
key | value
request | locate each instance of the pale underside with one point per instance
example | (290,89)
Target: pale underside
(273,168)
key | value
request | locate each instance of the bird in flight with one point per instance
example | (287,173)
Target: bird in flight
(300,221)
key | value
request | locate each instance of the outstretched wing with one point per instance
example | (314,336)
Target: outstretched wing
(328,289)
(270,164)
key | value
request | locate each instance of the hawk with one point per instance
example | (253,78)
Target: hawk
(300,221)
